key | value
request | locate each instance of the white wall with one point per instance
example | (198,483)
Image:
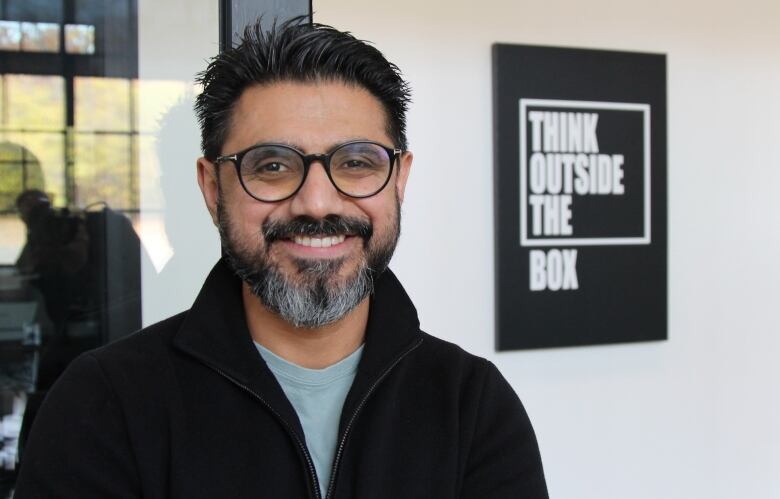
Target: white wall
(697,416)
(694,417)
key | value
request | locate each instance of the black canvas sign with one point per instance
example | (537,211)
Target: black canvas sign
(580,178)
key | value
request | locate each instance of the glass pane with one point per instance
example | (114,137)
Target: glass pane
(39,158)
(13,230)
(102,104)
(79,39)
(69,276)
(13,165)
(19,170)
(40,37)
(104,172)
(34,102)
(10,35)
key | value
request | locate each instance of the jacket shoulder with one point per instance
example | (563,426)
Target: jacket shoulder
(146,343)
(503,457)
(442,353)
(140,367)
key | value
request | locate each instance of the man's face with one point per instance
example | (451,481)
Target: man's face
(273,246)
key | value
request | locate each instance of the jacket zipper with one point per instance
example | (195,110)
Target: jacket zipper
(301,445)
(342,443)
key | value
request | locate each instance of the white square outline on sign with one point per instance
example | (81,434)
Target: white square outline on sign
(582,241)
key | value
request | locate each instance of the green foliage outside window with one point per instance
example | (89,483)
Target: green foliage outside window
(90,162)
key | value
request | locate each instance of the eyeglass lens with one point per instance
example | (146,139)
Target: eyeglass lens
(272,172)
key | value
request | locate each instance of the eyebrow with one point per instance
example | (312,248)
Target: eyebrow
(299,147)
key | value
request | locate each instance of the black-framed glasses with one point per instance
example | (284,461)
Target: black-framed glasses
(275,172)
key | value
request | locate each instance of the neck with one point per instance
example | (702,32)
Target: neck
(314,348)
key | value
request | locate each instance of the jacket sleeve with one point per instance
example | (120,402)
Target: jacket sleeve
(504,460)
(78,446)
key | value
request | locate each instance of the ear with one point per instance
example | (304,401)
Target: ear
(209,186)
(404,166)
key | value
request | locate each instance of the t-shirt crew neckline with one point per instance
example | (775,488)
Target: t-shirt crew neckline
(310,377)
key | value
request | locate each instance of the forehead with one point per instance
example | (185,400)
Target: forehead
(313,115)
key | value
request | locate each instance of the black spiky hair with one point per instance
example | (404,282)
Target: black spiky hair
(296,50)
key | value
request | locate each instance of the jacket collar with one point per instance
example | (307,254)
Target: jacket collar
(215,332)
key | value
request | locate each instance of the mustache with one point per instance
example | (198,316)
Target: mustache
(331,225)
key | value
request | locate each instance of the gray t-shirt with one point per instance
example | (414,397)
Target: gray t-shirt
(318,397)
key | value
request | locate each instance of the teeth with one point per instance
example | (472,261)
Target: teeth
(319,242)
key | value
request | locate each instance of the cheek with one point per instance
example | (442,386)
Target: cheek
(246,217)
(381,210)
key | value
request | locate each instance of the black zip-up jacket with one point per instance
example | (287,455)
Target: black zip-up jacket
(188,409)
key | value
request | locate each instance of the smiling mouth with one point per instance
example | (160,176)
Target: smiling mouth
(319,242)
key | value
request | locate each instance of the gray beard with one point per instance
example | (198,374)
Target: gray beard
(317,302)
(317,298)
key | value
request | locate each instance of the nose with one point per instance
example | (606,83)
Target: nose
(317,196)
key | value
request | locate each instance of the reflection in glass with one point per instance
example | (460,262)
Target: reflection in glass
(10,35)
(33,102)
(40,37)
(48,149)
(104,171)
(69,255)
(79,39)
(20,170)
(103,104)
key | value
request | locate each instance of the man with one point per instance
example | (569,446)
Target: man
(300,370)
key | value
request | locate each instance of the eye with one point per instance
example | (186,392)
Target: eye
(270,163)
(267,168)
(356,163)
(271,167)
